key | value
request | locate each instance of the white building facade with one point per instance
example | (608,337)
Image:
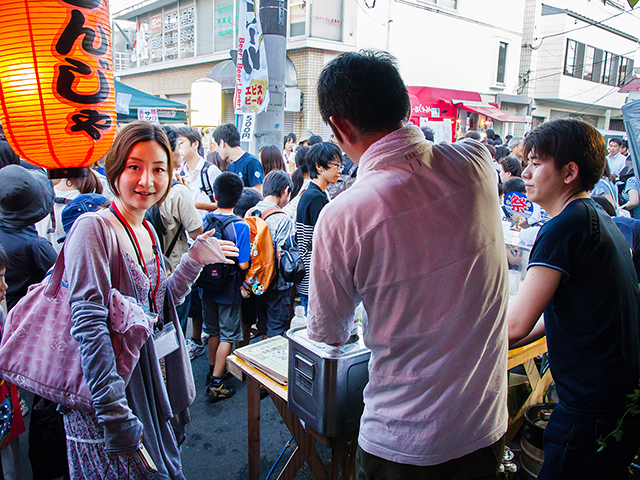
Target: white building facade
(472,64)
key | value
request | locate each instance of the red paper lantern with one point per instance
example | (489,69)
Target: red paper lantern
(56,81)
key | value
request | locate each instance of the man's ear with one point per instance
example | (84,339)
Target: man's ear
(571,173)
(342,129)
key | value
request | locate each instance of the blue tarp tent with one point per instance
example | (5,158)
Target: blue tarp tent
(167,111)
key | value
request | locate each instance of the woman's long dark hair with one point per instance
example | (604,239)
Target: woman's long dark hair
(271,159)
(298,174)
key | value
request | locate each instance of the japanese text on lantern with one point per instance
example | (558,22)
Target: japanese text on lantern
(75,78)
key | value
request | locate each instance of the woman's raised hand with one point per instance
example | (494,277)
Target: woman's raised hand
(208,249)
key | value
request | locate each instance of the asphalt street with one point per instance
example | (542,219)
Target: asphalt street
(216,445)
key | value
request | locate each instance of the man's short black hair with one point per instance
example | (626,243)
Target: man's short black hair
(192,135)
(321,154)
(366,89)
(617,140)
(428,133)
(227,187)
(314,140)
(515,184)
(473,135)
(249,199)
(172,134)
(570,140)
(275,182)
(228,133)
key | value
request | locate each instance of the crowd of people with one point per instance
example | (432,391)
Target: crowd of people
(380,215)
(157,178)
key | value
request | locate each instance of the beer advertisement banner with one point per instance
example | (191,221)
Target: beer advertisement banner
(251,93)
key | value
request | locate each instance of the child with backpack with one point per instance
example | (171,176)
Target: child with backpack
(273,304)
(220,284)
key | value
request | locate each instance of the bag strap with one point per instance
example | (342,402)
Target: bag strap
(174,241)
(206,183)
(270,211)
(116,262)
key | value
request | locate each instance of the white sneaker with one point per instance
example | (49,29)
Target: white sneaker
(194,349)
(205,338)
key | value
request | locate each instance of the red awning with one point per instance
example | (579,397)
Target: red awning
(632,85)
(489,111)
(437,102)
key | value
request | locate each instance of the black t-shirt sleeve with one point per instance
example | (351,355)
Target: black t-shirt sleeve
(315,207)
(560,241)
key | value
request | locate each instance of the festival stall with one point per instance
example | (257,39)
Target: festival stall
(440,109)
(133,104)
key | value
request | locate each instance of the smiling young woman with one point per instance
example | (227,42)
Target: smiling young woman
(129,413)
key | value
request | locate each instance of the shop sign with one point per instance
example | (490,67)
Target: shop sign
(292,99)
(148,115)
(247,127)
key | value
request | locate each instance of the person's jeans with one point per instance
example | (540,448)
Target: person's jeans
(571,448)
(481,465)
(273,311)
(183,313)
(304,301)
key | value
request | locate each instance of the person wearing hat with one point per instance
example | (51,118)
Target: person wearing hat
(87,202)
(26,197)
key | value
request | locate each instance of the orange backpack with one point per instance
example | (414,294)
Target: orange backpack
(262,270)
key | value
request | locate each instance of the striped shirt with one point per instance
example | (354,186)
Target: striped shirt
(311,204)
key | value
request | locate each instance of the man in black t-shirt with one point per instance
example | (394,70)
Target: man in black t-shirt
(247,166)
(581,276)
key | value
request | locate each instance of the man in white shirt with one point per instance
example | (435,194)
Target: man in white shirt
(418,238)
(615,158)
(190,142)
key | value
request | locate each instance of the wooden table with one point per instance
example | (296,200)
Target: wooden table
(526,356)
(343,449)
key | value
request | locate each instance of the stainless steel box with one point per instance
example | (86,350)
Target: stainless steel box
(326,383)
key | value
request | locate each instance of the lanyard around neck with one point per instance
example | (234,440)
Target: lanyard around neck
(136,246)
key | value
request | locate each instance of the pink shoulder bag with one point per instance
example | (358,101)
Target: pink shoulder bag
(39,354)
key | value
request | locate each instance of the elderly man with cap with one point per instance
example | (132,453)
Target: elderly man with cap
(26,197)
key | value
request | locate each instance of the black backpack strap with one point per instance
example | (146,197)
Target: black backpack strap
(174,241)
(206,184)
(229,220)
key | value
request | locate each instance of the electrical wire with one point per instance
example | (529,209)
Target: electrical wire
(279,457)
(561,72)
(367,13)
(594,103)
(601,22)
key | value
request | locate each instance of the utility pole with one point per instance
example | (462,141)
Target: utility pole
(269,127)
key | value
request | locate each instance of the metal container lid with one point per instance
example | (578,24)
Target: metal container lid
(354,347)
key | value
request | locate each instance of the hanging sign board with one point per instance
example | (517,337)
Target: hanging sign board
(252,86)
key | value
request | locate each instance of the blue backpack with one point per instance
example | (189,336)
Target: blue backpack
(217,276)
